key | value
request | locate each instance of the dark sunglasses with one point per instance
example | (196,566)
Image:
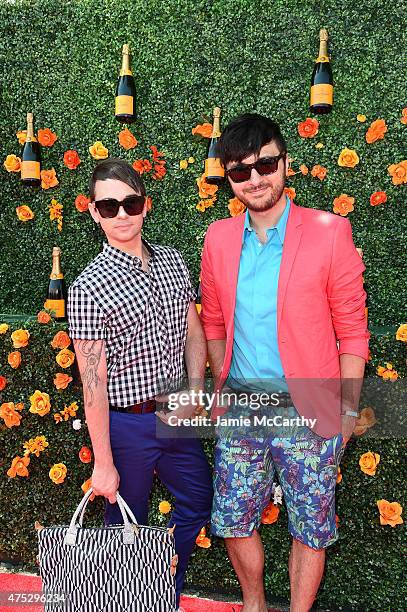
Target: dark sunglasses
(109,207)
(264,166)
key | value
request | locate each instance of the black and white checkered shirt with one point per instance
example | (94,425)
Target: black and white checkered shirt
(142,317)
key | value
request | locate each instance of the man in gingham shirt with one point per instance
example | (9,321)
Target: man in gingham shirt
(133,321)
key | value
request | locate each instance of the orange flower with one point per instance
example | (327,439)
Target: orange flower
(204,130)
(82,203)
(366,420)
(98,150)
(61,340)
(24,213)
(56,213)
(368,463)
(20,338)
(18,467)
(404,116)
(376,131)
(201,540)
(205,189)
(35,445)
(61,381)
(290,191)
(401,333)
(308,128)
(361,118)
(236,207)
(40,403)
(58,473)
(398,172)
(336,521)
(71,159)
(290,172)
(319,172)
(159,171)
(390,512)
(304,169)
(378,197)
(164,507)
(85,454)
(14,359)
(270,514)
(22,136)
(387,373)
(348,158)
(86,486)
(339,476)
(127,139)
(12,163)
(343,204)
(3,382)
(149,203)
(19,406)
(9,415)
(65,358)
(43,317)
(142,165)
(49,179)
(46,137)
(4,328)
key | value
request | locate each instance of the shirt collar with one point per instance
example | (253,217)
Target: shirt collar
(125,259)
(281,224)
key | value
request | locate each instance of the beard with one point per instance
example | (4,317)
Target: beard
(273,197)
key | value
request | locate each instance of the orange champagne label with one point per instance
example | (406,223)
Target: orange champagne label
(322,94)
(124,105)
(30,170)
(213,167)
(57,305)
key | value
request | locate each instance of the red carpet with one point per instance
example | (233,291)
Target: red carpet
(22,583)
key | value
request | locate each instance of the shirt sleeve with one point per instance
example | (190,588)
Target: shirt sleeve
(85,317)
(187,276)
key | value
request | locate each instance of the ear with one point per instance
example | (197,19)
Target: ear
(144,213)
(94,213)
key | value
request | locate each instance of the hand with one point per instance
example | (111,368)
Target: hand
(348,427)
(105,481)
(187,407)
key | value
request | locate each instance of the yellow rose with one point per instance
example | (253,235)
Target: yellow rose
(57,473)
(191,160)
(40,403)
(401,333)
(98,150)
(20,338)
(164,507)
(361,118)
(12,163)
(368,463)
(183,164)
(65,358)
(4,328)
(348,158)
(24,213)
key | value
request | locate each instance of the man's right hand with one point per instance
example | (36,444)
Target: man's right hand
(105,481)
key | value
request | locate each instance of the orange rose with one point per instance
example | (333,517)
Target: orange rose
(304,169)
(236,207)
(127,139)
(85,454)
(308,128)
(40,403)
(61,340)
(20,338)
(376,131)
(57,473)
(378,197)
(398,172)
(270,514)
(4,328)
(366,420)
(86,486)
(82,203)
(404,116)
(343,204)
(205,189)
(43,317)
(142,165)
(3,382)
(46,137)
(290,192)
(348,158)
(14,359)
(401,333)
(65,358)
(18,467)
(159,171)
(368,463)
(98,150)
(204,130)
(24,213)
(319,172)
(49,179)
(164,507)
(22,136)
(339,476)
(390,512)
(71,159)
(9,415)
(12,163)
(61,381)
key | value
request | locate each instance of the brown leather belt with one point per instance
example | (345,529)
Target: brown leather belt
(143,408)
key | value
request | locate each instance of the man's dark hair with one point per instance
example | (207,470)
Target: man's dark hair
(246,135)
(116,168)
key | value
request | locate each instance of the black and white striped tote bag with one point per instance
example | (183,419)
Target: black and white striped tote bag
(117,568)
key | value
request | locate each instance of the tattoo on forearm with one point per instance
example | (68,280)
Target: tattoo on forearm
(92,352)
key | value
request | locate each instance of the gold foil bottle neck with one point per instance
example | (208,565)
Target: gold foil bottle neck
(323,34)
(126,49)
(216,112)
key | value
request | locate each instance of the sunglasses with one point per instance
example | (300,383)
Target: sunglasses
(109,207)
(263,166)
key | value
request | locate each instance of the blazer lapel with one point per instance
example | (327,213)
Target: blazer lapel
(233,260)
(290,247)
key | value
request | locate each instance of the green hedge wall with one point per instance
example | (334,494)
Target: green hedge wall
(61,61)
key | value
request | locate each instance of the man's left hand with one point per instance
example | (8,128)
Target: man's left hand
(348,427)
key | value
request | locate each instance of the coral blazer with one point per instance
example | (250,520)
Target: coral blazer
(320,305)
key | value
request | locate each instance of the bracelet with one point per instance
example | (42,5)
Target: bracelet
(351,413)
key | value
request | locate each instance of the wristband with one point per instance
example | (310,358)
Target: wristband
(351,413)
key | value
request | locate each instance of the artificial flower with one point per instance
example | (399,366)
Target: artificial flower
(343,204)
(127,140)
(20,338)
(46,137)
(24,213)
(40,403)
(348,158)
(58,473)
(308,128)
(390,512)
(49,179)
(14,359)
(12,163)
(71,159)
(98,150)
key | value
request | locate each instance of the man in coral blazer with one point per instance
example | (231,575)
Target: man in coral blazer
(283,311)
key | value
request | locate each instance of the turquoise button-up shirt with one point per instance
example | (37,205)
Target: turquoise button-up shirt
(256,363)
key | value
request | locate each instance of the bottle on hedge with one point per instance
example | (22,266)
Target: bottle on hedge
(198,297)
(56,295)
(321,80)
(31,157)
(214,171)
(126,91)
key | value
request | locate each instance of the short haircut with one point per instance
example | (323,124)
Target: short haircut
(246,135)
(116,168)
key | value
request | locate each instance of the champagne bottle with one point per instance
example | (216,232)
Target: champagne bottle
(56,296)
(360,251)
(321,80)
(126,91)
(198,297)
(214,171)
(31,157)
